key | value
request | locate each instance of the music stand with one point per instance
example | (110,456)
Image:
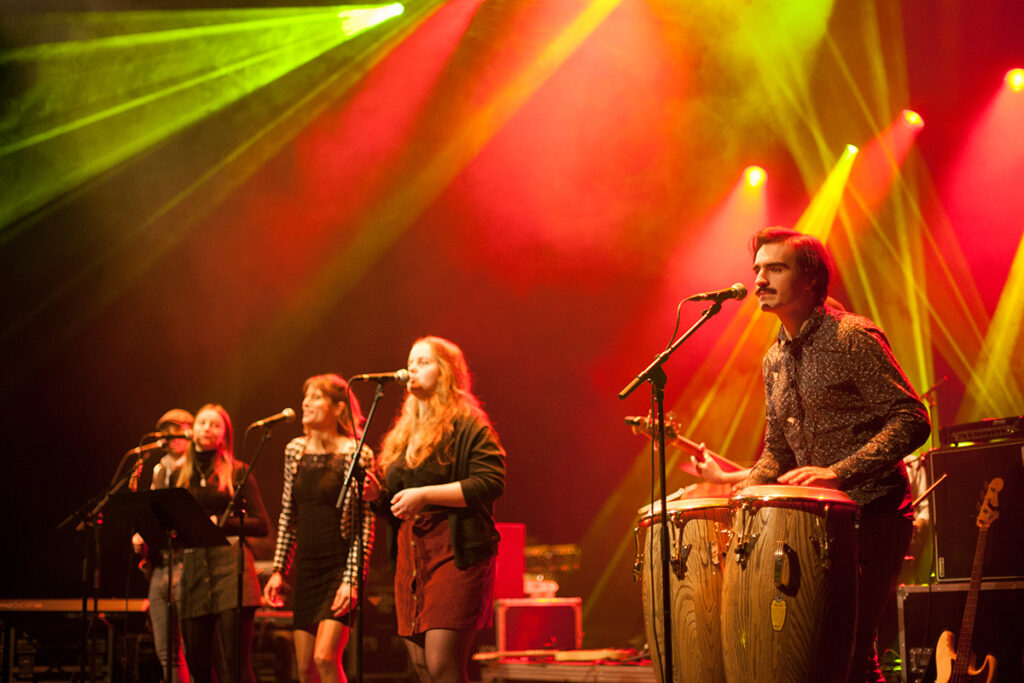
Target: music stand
(168,519)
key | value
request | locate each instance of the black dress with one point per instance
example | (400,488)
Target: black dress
(320,552)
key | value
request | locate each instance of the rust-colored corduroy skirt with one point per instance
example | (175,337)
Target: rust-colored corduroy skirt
(430,591)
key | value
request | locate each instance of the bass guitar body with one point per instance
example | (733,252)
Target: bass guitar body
(940,669)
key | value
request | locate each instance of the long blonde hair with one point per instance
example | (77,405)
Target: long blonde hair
(422,424)
(223,461)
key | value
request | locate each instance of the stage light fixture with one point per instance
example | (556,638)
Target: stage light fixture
(1015,79)
(913,119)
(755,176)
(851,150)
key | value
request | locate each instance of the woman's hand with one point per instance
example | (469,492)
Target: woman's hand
(408,502)
(344,599)
(272,591)
(138,544)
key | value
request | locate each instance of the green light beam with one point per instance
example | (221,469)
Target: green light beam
(95,103)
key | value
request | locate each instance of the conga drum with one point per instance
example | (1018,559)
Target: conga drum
(698,537)
(789,595)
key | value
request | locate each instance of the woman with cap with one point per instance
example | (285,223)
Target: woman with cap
(173,423)
(443,468)
(210,613)
(316,540)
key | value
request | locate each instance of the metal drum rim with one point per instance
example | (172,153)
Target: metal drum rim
(767,493)
(685,505)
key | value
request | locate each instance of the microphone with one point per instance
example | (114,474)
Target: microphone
(171,437)
(139,450)
(400,376)
(286,415)
(167,436)
(737,291)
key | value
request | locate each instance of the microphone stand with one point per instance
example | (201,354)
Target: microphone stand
(90,516)
(654,374)
(356,471)
(240,566)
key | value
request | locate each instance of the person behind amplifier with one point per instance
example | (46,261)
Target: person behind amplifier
(173,423)
(321,538)
(210,614)
(840,414)
(443,468)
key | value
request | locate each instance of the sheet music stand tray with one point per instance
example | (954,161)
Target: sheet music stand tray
(169,519)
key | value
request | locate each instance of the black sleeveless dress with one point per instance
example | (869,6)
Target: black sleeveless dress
(321,551)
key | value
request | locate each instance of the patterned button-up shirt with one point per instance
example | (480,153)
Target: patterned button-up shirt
(837,398)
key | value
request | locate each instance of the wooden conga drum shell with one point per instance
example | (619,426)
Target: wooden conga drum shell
(789,593)
(698,535)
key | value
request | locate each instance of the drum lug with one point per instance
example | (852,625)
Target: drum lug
(727,534)
(823,543)
(680,559)
(741,549)
(638,562)
(745,538)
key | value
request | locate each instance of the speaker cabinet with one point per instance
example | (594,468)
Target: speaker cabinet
(955,505)
(924,612)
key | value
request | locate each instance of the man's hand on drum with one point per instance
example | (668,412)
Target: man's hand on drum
(810,476)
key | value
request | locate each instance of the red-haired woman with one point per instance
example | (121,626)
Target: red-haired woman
(209,603)
(443,468)
(319,537)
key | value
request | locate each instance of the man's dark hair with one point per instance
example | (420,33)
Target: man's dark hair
(812,258)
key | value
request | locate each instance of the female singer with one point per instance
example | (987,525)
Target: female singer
(443,468)
(316,533)
(209,603)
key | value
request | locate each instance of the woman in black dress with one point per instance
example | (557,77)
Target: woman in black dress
(443,468)
(209,596)
(319,537)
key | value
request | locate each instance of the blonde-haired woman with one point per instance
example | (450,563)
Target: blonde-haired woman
(315,534)
(442,468)
(209,603)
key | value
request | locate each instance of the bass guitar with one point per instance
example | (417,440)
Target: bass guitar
(956,664)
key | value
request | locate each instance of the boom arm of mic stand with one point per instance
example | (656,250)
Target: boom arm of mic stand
(659,360)
(88,513)
(233,503)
